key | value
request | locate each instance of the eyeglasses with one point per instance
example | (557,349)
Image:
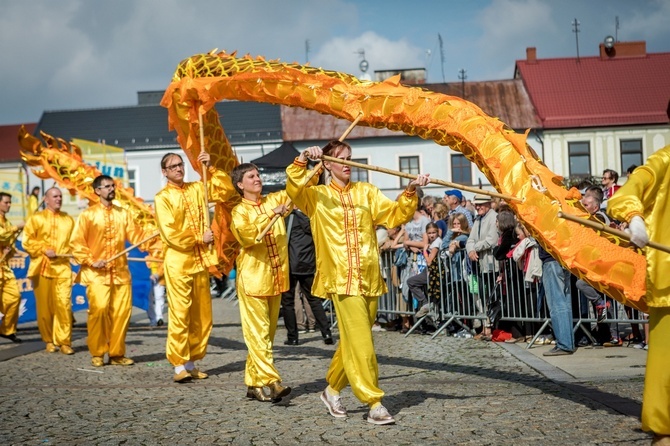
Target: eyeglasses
(107,186)
(174,167)
(607,178)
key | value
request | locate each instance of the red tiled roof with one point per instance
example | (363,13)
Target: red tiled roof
(9,141)
(507,100)
(599,91)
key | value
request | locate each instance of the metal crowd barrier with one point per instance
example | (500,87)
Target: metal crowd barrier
(463,304)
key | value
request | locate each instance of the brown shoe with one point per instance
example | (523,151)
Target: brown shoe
(51,348)
(66,350)
(121,360)
(197,374)
(258,393)
(660,440)
(97,361)
(182,377)
(277,391)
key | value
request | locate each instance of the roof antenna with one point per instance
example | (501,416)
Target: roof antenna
(439,38)
(575,29)
(462,77)
(616,28)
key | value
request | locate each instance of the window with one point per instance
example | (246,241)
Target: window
(133,180)
(631,153)
(580,159)
(358,174)
(461,172)
(408,164)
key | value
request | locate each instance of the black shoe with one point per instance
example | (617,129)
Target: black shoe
(160,322)
(328,339)
(584,342)
(291,342)
(12,337)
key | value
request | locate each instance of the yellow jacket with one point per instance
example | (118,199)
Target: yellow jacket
(99,233)
(181,222)
(7,238)
(343,225)
(262,267)
(646,194)
(48,230)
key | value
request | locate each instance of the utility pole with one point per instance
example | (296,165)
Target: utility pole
(306,50)
(462,77)
(575,29)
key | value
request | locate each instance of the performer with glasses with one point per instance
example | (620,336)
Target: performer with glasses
(180,213)
(100,233)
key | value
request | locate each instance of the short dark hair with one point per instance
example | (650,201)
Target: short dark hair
(613,173)
(631,169)
(238,174)
(5,194)
(167,156)
(596,191)
(99,179)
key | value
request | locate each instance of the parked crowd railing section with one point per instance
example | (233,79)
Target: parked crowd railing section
(466,302)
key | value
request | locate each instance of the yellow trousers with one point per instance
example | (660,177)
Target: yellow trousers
(190,317)
(656,398)
(53,298)
(355,361)
(109,308)
(9,305)
(259,323)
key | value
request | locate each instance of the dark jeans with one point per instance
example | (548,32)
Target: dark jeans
(288,305)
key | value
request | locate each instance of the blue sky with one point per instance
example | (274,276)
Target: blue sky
(78,54)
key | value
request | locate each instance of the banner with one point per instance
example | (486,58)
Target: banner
(141,284)
(12,181)
(107,159)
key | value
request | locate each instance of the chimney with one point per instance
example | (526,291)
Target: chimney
(623,50)
(531,54)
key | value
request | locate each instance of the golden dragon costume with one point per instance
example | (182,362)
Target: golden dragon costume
(510,165)
(63,162)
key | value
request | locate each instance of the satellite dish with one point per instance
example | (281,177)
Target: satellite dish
(609,42)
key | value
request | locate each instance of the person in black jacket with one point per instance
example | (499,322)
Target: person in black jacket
(302,266)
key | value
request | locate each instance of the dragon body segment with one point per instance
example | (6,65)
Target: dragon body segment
(501,154)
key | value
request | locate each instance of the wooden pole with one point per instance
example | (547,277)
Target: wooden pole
(204,176)
(309,177)
(130,248)
(412,177)
(604,228)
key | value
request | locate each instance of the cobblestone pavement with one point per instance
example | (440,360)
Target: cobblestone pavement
(441,391)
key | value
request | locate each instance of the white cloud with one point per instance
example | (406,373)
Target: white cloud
(341,54)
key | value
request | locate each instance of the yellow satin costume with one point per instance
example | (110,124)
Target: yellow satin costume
(262,276)
(343,222)
(10,298)
(52,278)
(181,222)
(645,194)
(99,233)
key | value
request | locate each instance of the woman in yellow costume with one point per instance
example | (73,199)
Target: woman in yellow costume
(343,216)
(643,203)
(262,276)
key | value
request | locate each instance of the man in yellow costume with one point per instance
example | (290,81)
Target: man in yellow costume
(180,213)
(10,298)
(45,237)
(262,277)
(643,203)
(99,233)
(343,216)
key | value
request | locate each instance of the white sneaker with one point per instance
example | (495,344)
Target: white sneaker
(377,327)
(334,404)
(379,415)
